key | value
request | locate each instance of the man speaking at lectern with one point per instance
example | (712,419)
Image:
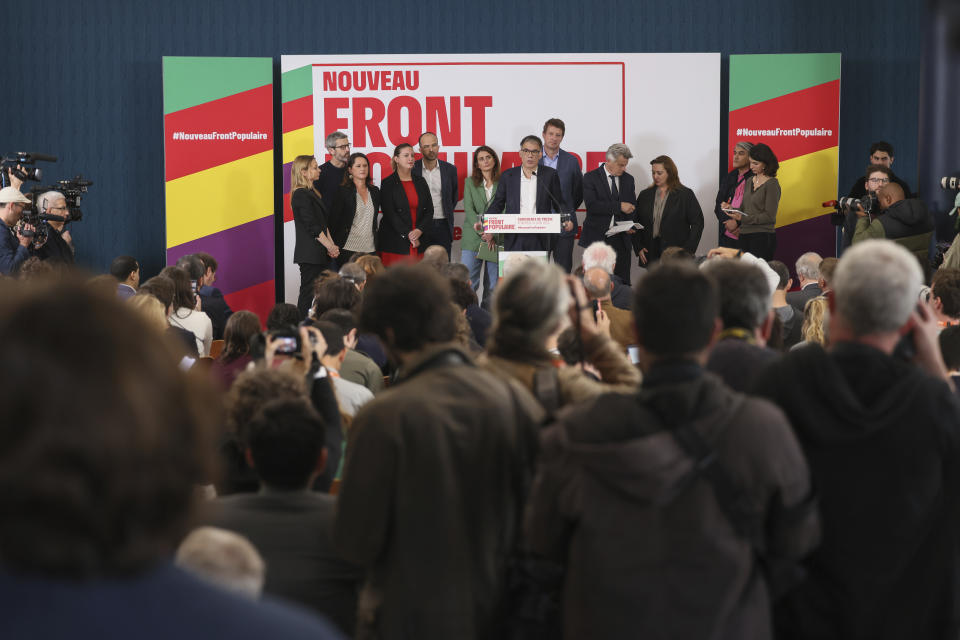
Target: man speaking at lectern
(530,189)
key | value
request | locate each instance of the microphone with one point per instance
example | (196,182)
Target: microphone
(564,215)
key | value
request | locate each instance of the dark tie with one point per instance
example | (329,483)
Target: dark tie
(613,188)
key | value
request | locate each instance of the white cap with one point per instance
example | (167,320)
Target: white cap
(10,194)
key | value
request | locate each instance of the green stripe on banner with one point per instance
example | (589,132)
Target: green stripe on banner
(296,83)
(189,81)
(756,78)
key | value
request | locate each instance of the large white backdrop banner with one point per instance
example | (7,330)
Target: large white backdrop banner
(655,103)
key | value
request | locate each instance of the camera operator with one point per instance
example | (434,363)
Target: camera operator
(905,221)
(877,176)
(881,154)
(13,243)
(59,245)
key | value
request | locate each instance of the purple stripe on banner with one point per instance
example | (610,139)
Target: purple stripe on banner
(816,234)
(244,254)
(286,176)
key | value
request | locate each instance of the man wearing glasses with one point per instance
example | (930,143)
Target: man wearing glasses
(59,245)
(331,172)
(526,190)
(881,154)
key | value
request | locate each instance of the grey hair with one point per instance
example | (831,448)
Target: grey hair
(597,282)
(875,285)
(331,140)
(529,305)
(600,255)
(48,198)
(618,149)
(808,265)
(744,292)
(353,272)
(224,558)
(743,144)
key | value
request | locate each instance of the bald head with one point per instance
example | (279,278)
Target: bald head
(597,283)
(436,256)
(890,194)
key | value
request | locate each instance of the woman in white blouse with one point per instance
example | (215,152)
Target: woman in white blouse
(354,219)
(186,310)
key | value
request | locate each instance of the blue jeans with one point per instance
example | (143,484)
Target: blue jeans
(476,267)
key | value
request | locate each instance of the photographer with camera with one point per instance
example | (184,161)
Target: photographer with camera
(877,176)
(15,241)
(58,246)
(906,221)
(881,154)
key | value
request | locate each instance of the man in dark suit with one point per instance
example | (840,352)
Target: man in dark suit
(808,274)
(529,189)
(290,525)
(211,300)
(571,185)
(444,186)
(608,193)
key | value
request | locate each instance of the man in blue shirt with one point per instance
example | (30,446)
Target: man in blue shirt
(13,244)
(571,186)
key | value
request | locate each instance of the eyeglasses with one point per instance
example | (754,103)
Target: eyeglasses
(879,180)
(342,146)
(530,151)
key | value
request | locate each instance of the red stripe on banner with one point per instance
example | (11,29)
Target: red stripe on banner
(259,299)
(298,113)
(226,119)
(808,110)
(287,209)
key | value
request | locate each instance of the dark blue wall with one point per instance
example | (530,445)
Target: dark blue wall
(88,85)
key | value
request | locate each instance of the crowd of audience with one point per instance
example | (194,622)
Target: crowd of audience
(711,453)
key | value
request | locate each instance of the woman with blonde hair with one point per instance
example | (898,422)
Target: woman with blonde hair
(814,322)
(314,247)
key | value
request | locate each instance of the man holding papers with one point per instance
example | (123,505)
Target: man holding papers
(609,196)
(529,189)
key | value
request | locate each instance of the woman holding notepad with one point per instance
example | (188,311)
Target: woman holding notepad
(758,215)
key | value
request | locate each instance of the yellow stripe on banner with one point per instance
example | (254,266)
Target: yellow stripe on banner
(806,182)
(220,198)
(298,142)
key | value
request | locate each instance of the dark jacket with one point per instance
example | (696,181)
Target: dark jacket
(859,188)
(345,209)
(55,249)
(310,216)
(396,222)
(328,184)
(12,253)
(622,294)
(601,205)
(214,305)
(883,442)
(648,552)
(737,361)
(798,299)
(907,222)
(680,226)
(571,185)
(449,187)
(293,531)
(432,496)
(161,603)
(507,200)
(728,187)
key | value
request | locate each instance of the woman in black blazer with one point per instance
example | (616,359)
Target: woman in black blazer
(407,209)
(669,213)
(354,222)
(314,246)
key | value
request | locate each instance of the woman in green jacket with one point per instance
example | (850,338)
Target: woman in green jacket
(479,250)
